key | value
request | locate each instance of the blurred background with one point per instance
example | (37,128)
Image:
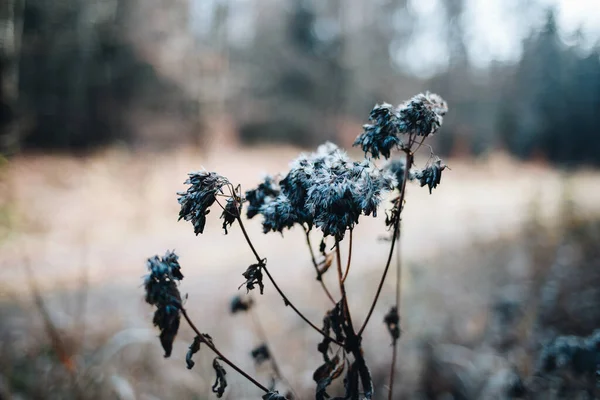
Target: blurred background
(105,105)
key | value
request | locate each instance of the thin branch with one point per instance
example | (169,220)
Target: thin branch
(409,161)
(349,258)
(218,353)
(314,261)
(287,302)
(393,371)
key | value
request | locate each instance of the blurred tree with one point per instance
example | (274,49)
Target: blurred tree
(11,22)
(551,108)
(79,76)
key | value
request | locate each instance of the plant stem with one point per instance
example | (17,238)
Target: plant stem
(342,286)
(349,258)
(218,353)
(283,296)
(409,161)
(260,260)
(314,261)
(398,299)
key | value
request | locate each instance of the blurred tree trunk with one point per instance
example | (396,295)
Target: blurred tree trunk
(11,23)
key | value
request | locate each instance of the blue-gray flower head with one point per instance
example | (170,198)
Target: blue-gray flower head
(161,291)
(279,214)
(431,175)
(344,191)
(381,135)
(232,210)
(420,116)
(397,168)
(325,189)
(198,198)
(266,191)
(572,354)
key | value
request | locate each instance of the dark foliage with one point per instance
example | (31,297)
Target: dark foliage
(326,374)
(220,382)
(193,349)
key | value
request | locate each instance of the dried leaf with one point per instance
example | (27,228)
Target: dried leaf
(193,349)
(220,381)
(326,374)
(254,277)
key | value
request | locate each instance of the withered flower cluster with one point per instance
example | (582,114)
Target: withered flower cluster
(324,189)
(161,291)
(431,175)
(328,191)
(420,116)
(200,196)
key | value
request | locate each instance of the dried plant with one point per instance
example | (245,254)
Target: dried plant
(324,191)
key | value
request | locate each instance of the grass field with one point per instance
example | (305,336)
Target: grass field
(84,226)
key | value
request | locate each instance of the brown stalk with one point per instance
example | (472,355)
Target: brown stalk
(287,302)
(315,264)
(349,258)
(343,286)
(409,161)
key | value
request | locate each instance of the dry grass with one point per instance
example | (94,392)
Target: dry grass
(86,226)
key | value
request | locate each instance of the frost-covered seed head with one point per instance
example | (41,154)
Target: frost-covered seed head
(196,201)
(420,116)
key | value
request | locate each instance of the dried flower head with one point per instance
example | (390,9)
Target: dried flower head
(392,321)
(381,135)
(260,354)
(162,292)
(232,210)
(420,116)
(279,214)
(265,192)
(431,175)
(573,354)
(327,190)
(196,201)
